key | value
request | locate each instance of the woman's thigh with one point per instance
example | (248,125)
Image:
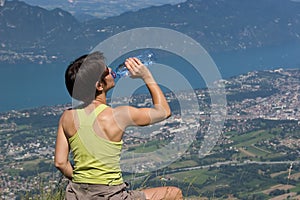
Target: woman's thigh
(165,193)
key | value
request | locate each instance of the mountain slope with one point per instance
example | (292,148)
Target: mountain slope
(218,25)
(25,28)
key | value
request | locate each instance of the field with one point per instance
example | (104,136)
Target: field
(257,169)
(242,165)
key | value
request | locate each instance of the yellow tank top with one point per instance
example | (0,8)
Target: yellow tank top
(97,160)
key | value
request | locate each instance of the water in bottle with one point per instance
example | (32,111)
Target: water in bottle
(146,57)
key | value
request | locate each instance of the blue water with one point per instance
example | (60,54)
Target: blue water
(28,86)
(234,63)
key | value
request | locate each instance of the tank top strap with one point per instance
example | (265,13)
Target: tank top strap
(98,110)
(85,119)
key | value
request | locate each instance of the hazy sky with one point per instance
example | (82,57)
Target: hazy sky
(100,8)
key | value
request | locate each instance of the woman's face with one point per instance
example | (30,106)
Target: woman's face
(108,79)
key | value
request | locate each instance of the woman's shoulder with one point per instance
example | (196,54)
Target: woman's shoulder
(68,111)
(68,122)
(67,115)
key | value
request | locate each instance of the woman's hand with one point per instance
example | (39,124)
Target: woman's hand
(137,69)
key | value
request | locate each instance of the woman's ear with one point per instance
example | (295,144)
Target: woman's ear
(99,86)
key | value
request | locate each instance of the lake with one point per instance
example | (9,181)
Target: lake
(28,86)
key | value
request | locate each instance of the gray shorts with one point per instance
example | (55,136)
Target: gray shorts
(83,191)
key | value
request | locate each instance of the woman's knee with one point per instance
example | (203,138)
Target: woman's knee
(177,192)
(165,193)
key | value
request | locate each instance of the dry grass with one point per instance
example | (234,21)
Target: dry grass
(278,187)
(246,152)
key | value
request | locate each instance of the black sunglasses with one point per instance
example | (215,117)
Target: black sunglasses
(105,73)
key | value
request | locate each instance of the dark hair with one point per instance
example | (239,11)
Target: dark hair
(82,75)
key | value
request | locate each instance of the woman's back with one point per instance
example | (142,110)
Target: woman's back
(97,159)
(104,124)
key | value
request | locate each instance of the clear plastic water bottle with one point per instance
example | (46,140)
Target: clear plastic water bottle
(2,2)
(146,57)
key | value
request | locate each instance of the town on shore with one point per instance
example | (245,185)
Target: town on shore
(27,137)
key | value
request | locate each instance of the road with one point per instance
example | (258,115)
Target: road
(232,163)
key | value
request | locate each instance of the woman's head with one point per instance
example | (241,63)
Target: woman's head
(83,74)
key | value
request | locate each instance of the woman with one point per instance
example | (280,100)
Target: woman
(94,132)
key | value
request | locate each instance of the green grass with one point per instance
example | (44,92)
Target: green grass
(148,147)
(257,151)
(296,189)
(251,138)
(185,163)
(248,140)
(195,176)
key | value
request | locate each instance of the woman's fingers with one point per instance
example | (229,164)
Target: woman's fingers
(134,66)
(138,61)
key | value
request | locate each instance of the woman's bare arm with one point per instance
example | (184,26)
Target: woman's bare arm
(61,157)
(144,116)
